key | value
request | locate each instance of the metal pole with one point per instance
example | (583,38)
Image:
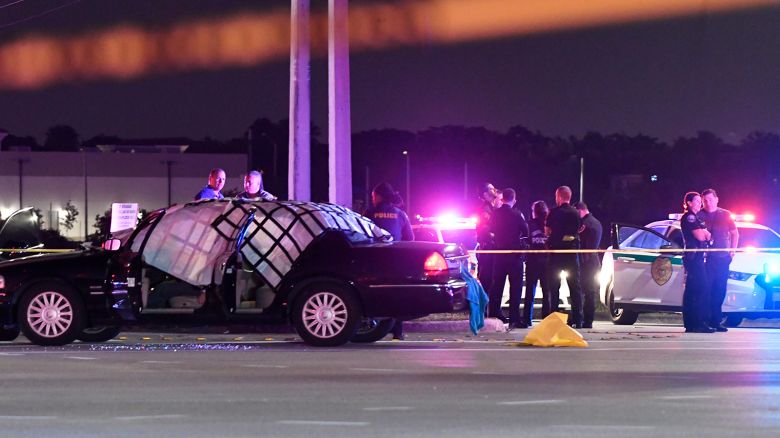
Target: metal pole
(408,185)
(21,164)
(582,179)
(86,194)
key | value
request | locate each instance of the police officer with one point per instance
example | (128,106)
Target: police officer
(488,197)
(724,235)
(695,236)
(562,227)
(393,220)
(253,187)
(536,264)
(213,188)
(510,231)
(590,263)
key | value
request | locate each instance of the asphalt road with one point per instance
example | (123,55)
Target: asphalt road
(644,381)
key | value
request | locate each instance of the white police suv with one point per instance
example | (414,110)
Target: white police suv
(648,281)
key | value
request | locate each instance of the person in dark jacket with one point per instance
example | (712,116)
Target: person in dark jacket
(488,197)
(562,228)
(536,264)
(510,231)
(253,187)
(392,219)
(590,265)
(695,236)
(213,189)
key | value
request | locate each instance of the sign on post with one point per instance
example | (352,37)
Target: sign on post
(123,216)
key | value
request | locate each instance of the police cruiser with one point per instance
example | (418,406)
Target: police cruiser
(637,282)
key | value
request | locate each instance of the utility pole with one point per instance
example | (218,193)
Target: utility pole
(299,177)
(339,128)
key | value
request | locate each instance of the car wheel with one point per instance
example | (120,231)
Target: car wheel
(619,315)
(9,334)
(372,330)
(326,314)
(51,313)
(732,320)
(98,334)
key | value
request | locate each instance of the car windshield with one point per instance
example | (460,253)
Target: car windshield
(465,237)
(758,238)
(20,230)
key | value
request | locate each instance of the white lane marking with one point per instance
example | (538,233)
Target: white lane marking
(388,408)
(530,402)
(28,417)
(600,426)
(255,365)
(151,417)
(324,423)
(80,358)
(685,397)
(11,354)
(661,376)
(160,361)
(378,370)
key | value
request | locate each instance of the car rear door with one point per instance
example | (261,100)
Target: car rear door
(643,274)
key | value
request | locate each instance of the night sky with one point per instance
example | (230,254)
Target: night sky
(665,78)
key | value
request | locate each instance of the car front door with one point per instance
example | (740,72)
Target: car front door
(643,274)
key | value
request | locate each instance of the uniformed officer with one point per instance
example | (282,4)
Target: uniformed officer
(393,220)
(695,236)
(213,188)
(488,196)
(562,227)
(536,264)
(724,235)
(510,231)
(590,263)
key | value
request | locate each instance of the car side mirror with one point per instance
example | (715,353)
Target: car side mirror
(111,244)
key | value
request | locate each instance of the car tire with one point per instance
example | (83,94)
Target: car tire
(9,334)
(51,313)
(372,330)
(619,315)
(98,334)
(326,314)
(732,320)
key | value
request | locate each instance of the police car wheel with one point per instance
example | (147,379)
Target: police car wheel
(619,315)
(98,334)
(9,334)
(732,320)
(372,330)
(51,313)
(326,314)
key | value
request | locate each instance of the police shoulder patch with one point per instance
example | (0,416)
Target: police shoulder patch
(690,218)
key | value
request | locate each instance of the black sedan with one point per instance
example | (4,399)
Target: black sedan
(329,271)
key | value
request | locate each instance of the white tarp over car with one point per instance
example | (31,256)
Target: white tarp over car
(189,239)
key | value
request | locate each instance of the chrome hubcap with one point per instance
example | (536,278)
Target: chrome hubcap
(49,314)
(324,315)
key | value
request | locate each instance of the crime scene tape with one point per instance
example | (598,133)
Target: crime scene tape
(35,250)
(627,250)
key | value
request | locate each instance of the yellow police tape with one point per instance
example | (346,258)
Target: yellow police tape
(632,250)
(36,250)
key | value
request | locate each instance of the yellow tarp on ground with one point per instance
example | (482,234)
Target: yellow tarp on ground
(554,332)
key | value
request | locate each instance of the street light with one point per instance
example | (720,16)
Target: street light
(408,189)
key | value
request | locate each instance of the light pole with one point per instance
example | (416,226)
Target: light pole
(408,185)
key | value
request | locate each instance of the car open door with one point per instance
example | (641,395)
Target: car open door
(643,275)
(20,231)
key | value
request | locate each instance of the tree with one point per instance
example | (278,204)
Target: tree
(62,138)
(71,212)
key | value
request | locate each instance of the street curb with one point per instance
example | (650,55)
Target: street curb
(492,325)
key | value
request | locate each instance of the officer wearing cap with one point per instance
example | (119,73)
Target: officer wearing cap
(724,235)
(590,263)
(487,200)
(536,263)
(510,231)
(562,227)
(695,236)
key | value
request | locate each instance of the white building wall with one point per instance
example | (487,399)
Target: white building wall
(50,179)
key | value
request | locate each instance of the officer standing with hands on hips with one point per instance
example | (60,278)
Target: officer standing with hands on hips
(724,235)
(510,231)
(590,263)
(695,236)
(562,228)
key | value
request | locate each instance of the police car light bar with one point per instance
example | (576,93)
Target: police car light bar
(675,216)
(447,219)
(747,217)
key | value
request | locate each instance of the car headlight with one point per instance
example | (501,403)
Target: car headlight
(771,271)
(739,276)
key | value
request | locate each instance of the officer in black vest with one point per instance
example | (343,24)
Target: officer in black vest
(695,236)
(590,263)
(510,231)
(562,227)
(536,263)
(488,199)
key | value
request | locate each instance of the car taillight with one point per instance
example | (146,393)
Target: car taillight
(435,264)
